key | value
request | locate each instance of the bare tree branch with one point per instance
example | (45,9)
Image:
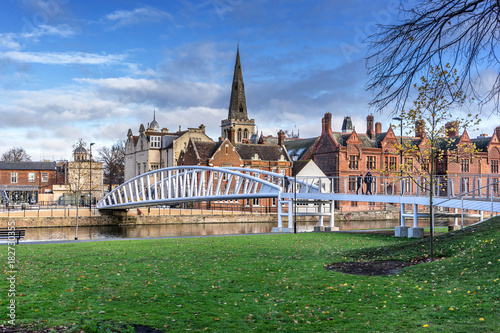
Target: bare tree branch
(463,33)
(16,154)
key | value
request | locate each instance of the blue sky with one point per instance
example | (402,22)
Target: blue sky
(93,69)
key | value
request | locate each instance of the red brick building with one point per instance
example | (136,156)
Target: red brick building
(347,154)
(226,153)
(23,182)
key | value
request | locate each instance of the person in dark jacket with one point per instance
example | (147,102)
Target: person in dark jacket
(368,182)
(359,184)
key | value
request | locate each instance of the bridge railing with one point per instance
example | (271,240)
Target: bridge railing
(200,183)
(478,187)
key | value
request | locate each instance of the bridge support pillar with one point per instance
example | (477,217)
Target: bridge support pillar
(401,230)
(416,233)
(415,216)
(332,226)
(290,214)
(320,209)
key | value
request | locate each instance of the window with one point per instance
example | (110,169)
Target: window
(245,134)
(495,185)
(370,162)
(13,177)
(226,149)
(408,185)
(352,183)
(425,165)
(138,168)
(273,203)
(155,166)
(31,177)
(465,185)
(255,201)
(494,166)
(239,135)
(45,177)
(393,163)
(408,164)
(464,165)
(155,141)
(354,204)
(353,162)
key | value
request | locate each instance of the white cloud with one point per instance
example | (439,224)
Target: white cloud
(14,41)
(58,58)
(159,93)
(7,41)
(138,15)
(63,30)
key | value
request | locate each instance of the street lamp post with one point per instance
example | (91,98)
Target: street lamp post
(295,157)
(400,150)
(90,188)
(401,208)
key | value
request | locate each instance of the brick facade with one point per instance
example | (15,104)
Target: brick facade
(23,182)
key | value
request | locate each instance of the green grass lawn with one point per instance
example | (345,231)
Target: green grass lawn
(260,283)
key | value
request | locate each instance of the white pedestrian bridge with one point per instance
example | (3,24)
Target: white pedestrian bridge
(184,184)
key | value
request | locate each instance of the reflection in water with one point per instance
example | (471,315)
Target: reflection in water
(155,230)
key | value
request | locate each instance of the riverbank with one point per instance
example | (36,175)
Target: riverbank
(345,221)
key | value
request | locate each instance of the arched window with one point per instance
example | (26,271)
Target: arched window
(245,134)
(239,135)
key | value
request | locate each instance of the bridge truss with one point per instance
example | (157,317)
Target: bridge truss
(183,184)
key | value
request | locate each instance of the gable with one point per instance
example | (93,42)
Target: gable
(464,138)
(226,155)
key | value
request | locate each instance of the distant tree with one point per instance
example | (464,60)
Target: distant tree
(464,33)
(438,103)
(114,163)
(16,154)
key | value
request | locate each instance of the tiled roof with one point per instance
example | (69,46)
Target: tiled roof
(204,150)
(27,165)
(265,152)
(482,143)
(299,146)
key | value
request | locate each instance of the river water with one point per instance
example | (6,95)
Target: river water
(154,230)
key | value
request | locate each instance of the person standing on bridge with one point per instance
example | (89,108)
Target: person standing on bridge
(368,181)
(359,184)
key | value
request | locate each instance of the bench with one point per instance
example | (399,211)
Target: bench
(18,234)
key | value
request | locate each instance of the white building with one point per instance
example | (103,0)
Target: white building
(156,148)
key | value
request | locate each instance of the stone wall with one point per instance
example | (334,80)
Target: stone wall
(372,219)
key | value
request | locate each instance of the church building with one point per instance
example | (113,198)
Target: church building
(237,117)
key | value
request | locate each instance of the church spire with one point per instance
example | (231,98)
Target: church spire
(238,104)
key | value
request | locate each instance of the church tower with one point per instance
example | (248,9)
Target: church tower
(237,117)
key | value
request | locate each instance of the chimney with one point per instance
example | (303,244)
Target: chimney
(378,128)
(327,123)
(420,129)
(202,127)
(281,138)
(497,131)
(231,135)
(179,128)
(451,129)
(369,126)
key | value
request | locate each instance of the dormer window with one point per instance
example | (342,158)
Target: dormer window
(155,141)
